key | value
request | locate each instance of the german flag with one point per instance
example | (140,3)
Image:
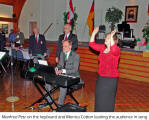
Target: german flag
(90,19)
(148,9)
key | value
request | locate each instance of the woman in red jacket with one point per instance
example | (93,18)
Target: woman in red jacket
(106,83)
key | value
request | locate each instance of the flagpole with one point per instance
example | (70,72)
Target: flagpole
(84,30)
(94,14)
(86,21)
(75,28)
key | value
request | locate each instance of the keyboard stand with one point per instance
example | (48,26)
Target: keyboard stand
(41,87)
(69,92)
(48,93)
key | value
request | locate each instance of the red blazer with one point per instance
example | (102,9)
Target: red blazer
(108,63)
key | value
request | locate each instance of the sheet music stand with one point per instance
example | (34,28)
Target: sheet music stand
(12,98)
(2,54)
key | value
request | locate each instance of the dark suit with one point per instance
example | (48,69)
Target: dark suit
(35,48)
(72,37)
(20,36)
(2,42)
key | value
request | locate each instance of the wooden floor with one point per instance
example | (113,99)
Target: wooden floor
(132,96)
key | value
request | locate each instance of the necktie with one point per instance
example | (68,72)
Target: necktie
(37,39)
(65,57)
(65,37)
(65,60)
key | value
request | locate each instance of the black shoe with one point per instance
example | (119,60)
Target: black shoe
(59,105)
(44,105)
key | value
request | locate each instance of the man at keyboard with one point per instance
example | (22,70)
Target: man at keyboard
(68,65)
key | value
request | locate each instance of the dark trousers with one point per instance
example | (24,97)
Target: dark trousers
(105,93)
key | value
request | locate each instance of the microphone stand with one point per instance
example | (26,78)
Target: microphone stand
(12,98)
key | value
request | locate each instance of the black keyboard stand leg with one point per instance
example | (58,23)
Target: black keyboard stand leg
(74,99)
(43,96)
(70,94)
(50,92)
(37,101)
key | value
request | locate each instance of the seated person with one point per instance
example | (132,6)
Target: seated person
(37,44)
(12,36)
(69,65)
(4,38)
(2,45)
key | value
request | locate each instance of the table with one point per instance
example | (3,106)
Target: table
(25,52)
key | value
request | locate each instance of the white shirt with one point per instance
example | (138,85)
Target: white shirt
(19,38)
(64,70)
(68,54)
(67,35)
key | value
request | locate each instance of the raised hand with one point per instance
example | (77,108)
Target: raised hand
(92,39)
(107,50)
(113,33)
(95,31)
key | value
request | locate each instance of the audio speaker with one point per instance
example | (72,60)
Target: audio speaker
(14,15)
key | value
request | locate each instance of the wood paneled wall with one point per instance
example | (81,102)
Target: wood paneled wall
(17,8)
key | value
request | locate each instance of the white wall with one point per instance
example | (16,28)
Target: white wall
(6,11)
(30,12)
(142,13)
(54,14)
(52,11)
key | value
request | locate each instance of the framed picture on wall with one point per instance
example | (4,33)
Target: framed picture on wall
(5,28)
(131,13)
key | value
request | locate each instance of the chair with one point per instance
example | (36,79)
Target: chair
(19,55)
(32,63)
(70,107)
(14,54)
(74,88)
(20,58)
(48,52)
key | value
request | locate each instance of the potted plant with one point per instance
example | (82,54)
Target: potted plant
(146,33)
(113,16)
(73,21)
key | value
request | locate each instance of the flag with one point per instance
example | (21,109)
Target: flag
(90,19)
(148,9)
(70,14)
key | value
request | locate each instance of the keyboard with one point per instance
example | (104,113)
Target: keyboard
(62,80)
(42,69)
(48,73)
